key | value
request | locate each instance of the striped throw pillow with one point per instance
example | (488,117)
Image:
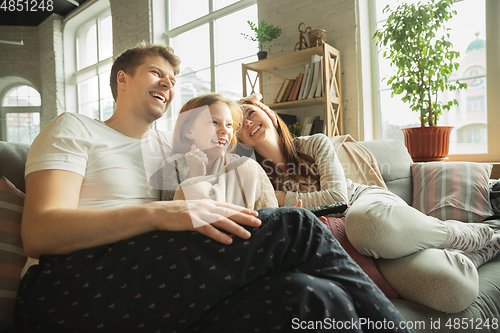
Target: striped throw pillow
(452,190)
(12,257)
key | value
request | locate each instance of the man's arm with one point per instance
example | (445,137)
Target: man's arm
(52,223)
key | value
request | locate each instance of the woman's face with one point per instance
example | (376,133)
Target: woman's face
(212,131)
(257,126)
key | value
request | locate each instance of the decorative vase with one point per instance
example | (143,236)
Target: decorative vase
(262,55)
(427,144)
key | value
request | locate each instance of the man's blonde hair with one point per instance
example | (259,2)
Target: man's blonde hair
(132,58)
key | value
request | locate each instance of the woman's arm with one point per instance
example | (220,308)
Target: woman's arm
(331,174)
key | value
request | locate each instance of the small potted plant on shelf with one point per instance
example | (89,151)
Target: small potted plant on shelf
(418,47)
(263,33)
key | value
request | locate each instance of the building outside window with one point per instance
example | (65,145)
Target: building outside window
(206,35)
(21,111)
(469,118)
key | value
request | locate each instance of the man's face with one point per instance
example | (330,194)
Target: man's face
(151,87)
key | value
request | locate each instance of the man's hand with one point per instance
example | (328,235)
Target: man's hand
(197,162)
(208,217)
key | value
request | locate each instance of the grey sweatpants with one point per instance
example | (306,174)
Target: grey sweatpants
(407,244)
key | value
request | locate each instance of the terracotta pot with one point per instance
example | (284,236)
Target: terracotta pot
(427,143)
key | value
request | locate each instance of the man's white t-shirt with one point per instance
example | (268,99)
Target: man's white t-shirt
(115,167)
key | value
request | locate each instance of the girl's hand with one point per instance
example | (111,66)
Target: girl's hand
(197,162)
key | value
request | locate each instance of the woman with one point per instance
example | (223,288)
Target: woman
(378,223)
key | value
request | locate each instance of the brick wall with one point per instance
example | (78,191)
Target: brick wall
(51,68)
(131,24)
(17,60)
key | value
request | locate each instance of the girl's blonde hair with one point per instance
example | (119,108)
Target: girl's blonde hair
(181,144)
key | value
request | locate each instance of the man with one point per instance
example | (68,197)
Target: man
(113,258)
(141,81)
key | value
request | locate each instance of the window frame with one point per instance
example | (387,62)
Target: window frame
(4,110)
(167,34)
(492,8)
(73,25)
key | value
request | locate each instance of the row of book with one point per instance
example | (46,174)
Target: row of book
(312,125)
(309,84)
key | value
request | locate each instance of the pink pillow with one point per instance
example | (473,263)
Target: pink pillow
(452,190)
(337,227)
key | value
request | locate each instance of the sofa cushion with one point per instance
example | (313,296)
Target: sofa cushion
(358,162)
(452,190)
(12,257)
(13,162)
(394,164)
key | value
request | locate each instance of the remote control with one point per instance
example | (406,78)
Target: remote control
(334,208)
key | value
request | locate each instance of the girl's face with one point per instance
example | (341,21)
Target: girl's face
(257,126)
(212,131)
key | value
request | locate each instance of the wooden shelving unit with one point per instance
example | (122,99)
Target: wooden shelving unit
(332,99)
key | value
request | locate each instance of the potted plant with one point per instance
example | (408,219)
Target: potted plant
(418,47)
(263,33)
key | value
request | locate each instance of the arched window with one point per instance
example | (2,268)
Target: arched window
(21,111)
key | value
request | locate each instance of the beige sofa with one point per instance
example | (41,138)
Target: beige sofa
(394,164)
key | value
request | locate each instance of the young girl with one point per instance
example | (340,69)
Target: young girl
(379,223)
(202,163)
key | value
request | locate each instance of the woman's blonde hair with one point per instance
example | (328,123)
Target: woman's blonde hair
(181,144)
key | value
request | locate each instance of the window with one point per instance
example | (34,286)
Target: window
(473,30)
(21,110)
(472,134)
(94,52)
(206,35)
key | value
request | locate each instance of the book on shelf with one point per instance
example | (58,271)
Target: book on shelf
(306,129)
(320,88)
(308,82)
(315,76)
(289,119)
(304,79)
(288,90)
(296,87)
(289,98)
(307,125)
(317,127)
(281,92)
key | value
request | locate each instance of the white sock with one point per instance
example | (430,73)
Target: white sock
(485,254)
(468,237)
